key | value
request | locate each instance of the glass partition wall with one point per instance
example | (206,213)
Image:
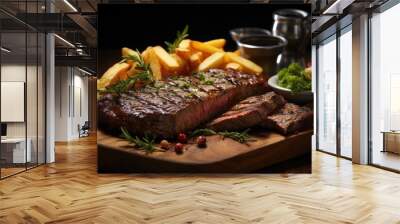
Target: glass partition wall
(385,89)
(22,77)
(326,96)
(345,92)
(334,94)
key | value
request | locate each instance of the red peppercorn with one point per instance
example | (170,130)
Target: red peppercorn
(179,148)
(182,138)
(201,141)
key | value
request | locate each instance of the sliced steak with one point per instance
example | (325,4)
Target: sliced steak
(289,119)
(176,105)
(248,113)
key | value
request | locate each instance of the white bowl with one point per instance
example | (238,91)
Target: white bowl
(295,97)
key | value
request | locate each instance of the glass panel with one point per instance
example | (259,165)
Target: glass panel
(31,98)
(13,86)
(41,98)
(32,89)
(327,96)
(385,84)
(346,94)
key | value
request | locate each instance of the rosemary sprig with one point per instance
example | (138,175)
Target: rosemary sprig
(144,75)
(125,85)
(241,137)
(140,64)
(179,37)
(202,131)
(146,143)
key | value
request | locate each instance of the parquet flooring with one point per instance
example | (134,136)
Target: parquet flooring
(70,191)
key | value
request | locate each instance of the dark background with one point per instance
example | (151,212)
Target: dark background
(142,25)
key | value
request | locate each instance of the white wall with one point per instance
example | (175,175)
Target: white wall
(71,102)
(13,73)
(61,114)
(33,127)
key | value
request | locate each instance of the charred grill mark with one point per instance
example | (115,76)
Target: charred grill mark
(177,104)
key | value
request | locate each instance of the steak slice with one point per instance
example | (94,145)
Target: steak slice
(289,119)
(176,105)
(248,113)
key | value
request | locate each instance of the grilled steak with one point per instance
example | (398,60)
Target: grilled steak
(289,119)
(176,105)
(248,113)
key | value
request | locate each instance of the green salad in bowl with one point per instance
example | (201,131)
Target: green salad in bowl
(294,83)
(295,78)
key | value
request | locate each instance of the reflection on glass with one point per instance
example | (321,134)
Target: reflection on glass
(15,150)
(41,99)
(327,96)
(23,91)
(31,97)
(346,94)
(385,84)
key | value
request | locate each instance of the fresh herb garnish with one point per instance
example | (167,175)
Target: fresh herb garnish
(144,75)
(146,143)
(295,78)
(241,137)
(158,84)
(204,80)
(179,37)
(208,82)
(124,85)
(140,64)
(183,84)
(202,131)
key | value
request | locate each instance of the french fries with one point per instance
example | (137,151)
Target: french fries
(248,66)
(145,53)
(127,51)
(155,64)
(195,60)
(184,53)
(184,44)
(213,61)
(166,59)
(234,66)
(237,52)
(205,47)
(114,74)
(189,56)
(218,43)
(132,70)
(183,65)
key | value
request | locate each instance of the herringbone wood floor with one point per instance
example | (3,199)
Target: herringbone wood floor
(70,191)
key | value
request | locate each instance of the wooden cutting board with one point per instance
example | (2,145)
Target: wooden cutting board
(116,155)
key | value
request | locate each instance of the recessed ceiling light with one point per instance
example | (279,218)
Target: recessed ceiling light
(337,7)
(5,50)
(64,40)
(70,5)
(84,71)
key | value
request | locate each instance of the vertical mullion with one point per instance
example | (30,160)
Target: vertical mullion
(338,74)
(369,100)
(37,90)
(73,92)
(46,3)
(316,96)
(26,87)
